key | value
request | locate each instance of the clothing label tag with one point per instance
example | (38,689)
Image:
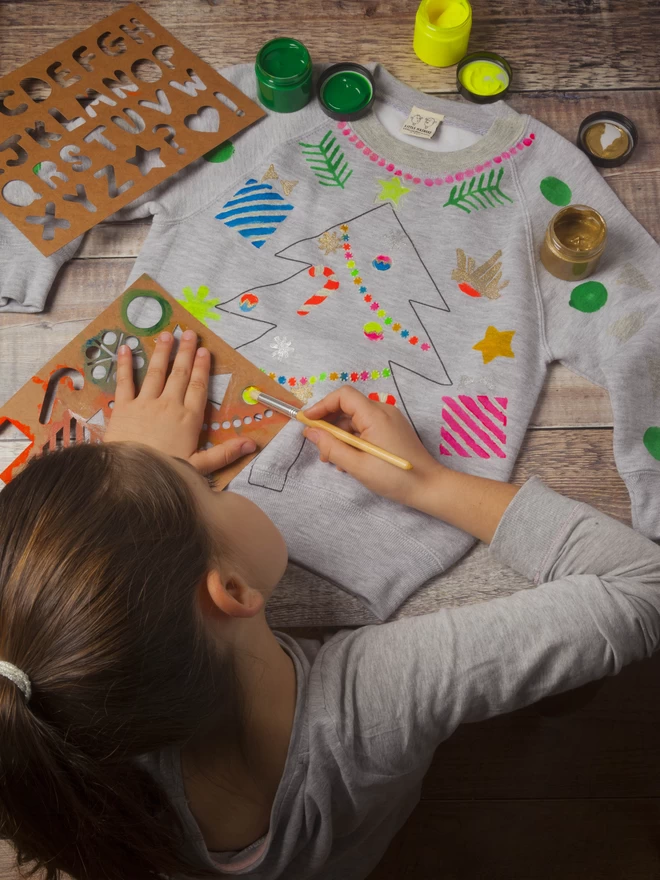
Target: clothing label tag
(422,123)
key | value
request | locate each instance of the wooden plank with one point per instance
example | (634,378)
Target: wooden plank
(608,747)
(589,36)
(606,839)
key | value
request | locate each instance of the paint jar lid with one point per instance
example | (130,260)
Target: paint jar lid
(346,91)
(483,77)
(608,138)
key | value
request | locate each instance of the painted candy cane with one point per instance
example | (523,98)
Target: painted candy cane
(320,295)
(382,397)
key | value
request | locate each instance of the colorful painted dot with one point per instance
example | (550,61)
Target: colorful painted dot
(386,373)
(247,302)
(373,331)
(364,375)
(220,154)
(334,377)
(382,263)
(344,377)
(323,377)
(588,296)
(281,379)
(652,441)
(556,191)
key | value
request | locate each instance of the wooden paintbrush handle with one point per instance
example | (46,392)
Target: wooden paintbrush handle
(357,442)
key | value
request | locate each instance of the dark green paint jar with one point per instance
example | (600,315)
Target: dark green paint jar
(284,75)
(346,91)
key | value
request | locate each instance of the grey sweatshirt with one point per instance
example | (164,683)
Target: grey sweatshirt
(338,254)
(373,703)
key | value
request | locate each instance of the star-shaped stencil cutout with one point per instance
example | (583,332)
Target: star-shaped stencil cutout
(146,160)
(496,343)
(391,191)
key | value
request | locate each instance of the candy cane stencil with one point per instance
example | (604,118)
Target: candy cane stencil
(322,294)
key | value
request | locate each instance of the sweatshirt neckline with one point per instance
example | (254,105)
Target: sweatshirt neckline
(498,124)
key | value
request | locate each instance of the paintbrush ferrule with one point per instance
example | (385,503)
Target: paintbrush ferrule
(278,405)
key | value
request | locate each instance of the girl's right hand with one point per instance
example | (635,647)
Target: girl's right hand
(384,425)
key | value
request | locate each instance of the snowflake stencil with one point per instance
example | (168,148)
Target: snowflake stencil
(282,348)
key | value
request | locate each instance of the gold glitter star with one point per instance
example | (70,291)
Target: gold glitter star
(391,190)
(496,343)
(329,242)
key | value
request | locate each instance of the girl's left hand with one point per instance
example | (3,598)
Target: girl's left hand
(168,412)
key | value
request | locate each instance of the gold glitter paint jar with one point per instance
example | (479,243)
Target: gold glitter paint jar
(608,138)
(574,243)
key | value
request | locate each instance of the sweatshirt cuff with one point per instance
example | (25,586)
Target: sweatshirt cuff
(644,489)
(533,529)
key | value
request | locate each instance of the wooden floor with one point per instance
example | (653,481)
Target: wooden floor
(537,794)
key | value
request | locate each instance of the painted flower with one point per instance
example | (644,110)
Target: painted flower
(354,272)
(405,334)
(282,348)
(354,377)
(388,320)
(271,375)
(303,380)
(375,374)
(312,380)
(367,298)
(357,281)
(344,227)
(363,289)
(334,377)
(374,306)
(413,340)
(351,264)
(364,375)
(281,379)
(292,380)
(425,346)
(396,327)
(344,377)
(323,377)
(386,373)
(346,246)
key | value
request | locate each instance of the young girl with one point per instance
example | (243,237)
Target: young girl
(151,724)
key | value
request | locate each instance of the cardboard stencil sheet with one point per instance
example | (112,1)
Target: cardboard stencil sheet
(70,399)
(90,125)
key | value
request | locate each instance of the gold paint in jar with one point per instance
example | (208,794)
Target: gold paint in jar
(574,243)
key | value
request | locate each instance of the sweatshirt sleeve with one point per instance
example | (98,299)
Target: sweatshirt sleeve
(397,690)
(26,275)
(607,327)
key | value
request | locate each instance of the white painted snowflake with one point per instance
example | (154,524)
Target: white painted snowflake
(282,348)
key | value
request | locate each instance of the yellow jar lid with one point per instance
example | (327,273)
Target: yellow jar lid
(483,77)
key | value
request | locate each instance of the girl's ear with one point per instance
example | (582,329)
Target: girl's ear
(233,598)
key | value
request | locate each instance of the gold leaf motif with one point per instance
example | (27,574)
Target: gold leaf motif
(271,174)
(288,185)
(481,280)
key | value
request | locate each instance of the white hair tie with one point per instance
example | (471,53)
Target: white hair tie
(19,678)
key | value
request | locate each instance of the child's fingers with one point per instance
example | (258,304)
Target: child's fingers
(154,381)
(125,388)
(177,383)
(349,402)
(209,460)
(198,385)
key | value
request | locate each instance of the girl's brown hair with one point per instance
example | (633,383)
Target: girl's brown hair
(102,552)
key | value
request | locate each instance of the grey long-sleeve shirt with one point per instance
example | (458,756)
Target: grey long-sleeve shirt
(374,703)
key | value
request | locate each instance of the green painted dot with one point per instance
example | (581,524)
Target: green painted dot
(588,296)
(37,168)
(652,442)
(220,154)
(556,191)
(323,377)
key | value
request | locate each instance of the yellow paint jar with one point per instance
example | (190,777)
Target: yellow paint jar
(574,243)
(442,31)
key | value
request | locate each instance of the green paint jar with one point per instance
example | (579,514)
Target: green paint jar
(346,91)
(284,75)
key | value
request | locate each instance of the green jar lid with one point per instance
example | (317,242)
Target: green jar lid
(346,91)
(284,74)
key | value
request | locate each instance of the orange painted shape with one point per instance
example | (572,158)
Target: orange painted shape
(469,290)
(20,459)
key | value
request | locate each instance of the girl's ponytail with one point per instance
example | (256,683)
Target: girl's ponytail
(101,553)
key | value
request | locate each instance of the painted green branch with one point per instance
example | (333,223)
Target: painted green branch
(327,161)
(478,193)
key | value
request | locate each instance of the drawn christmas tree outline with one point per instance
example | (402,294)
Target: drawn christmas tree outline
(395,360)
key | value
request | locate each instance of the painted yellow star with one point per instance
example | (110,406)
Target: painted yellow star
(496,343)
(391,190)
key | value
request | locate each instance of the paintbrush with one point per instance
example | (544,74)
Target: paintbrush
(256,396)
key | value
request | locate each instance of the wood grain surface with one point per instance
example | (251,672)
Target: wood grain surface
(534,795)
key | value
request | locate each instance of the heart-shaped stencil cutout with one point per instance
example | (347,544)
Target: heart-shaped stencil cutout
(206,119)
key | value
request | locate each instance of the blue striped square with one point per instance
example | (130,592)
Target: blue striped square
(255,211)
